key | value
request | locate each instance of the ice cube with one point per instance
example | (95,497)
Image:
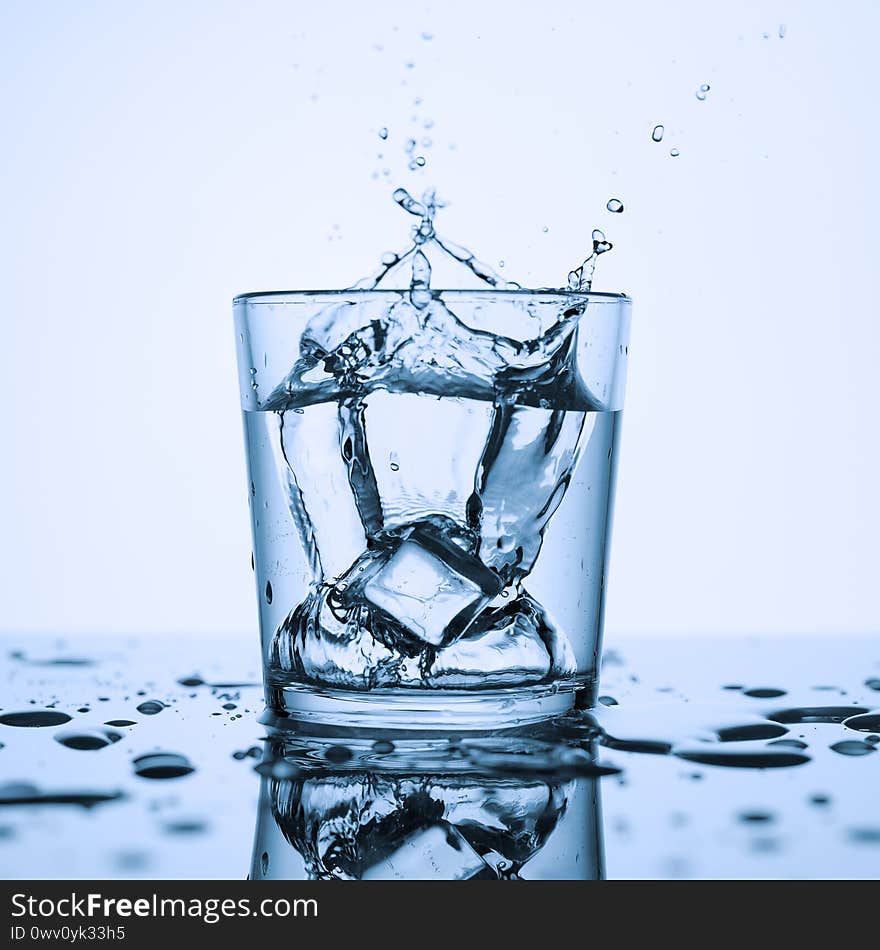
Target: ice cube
(437,853)
(511,645)
(431,587)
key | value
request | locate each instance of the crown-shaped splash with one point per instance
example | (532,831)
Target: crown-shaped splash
(424,236)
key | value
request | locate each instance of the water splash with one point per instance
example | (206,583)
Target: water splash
(581,278)
(424,238)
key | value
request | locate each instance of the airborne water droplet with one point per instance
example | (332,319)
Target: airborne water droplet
(615,205)
(781,30)
(268,592)
(383,133)
(702,91)
(674,152)
(657,133)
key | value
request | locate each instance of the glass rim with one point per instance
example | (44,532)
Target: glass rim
(294,296)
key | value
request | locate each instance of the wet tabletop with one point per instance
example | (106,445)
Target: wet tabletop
(709,758)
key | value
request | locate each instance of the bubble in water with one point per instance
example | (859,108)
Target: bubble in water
(383,133)
(657,133)
(614,205)
(674,152)
(703,91)
(151,707)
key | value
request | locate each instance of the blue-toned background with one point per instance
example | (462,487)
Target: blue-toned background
(159,158)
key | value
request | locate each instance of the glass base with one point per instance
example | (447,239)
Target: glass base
(432,710)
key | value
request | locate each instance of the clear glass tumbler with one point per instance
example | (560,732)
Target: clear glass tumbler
(431,488)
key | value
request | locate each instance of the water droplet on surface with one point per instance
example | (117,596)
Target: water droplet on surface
(86,741)
(752,730)
(764,692)
(383,746)
(608,701)
(34,719)
(162,765)
(268,592)
(394,467)
(873,683)
(852,747)
(120,723)
(869,722)
(702,92)
(756,817)
(279,769)
(789,743)
(674,152)
(735,758)
(184,826)
(614,205)
(337,754)
(229,706)
(820,800)
(657,133)
(150,707)
(811,714)
(864,835)
(193,680)
(264,863)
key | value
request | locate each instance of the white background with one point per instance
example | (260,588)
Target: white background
(160,158)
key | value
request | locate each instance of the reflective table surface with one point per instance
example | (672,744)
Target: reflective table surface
(733,758)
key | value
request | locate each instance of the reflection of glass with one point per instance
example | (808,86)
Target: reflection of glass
(431,479)
(372,808)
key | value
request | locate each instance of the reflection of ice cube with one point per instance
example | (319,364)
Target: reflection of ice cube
(437,853)
(431,587)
